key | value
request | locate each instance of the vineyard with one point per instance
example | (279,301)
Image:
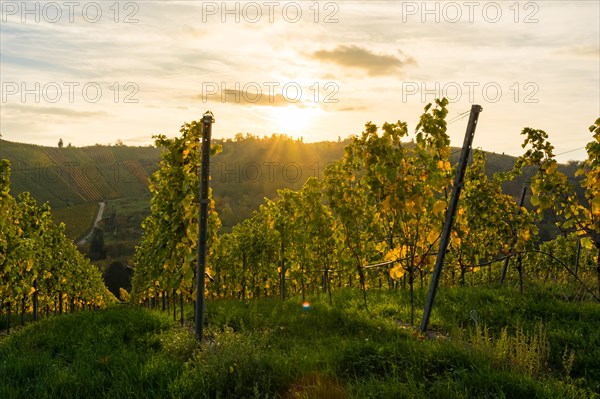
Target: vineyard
(374,221)
(77,218)
(68,176)
(356,245)
(41,272)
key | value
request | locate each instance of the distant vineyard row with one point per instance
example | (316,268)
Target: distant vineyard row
(78,218)
(67,176)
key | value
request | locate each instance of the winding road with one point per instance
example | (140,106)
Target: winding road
(98,219)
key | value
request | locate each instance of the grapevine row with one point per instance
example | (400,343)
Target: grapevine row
(373,221)
(40,268)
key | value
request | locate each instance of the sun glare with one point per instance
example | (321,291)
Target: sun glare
(292,119)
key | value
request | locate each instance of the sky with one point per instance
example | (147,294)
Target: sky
(100,71)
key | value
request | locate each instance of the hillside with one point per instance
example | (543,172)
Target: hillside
(243,174)
(73,180)
(69,176)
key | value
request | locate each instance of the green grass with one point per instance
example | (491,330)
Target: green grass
(269,349)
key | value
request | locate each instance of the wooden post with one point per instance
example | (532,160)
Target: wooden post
(452,207)
(207,121)
(282,273)
(35,301)
(577,256)
(181,308)
(23,301)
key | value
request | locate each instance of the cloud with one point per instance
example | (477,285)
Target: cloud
(582,51)
(352,109)
(53,111)
(357,57)
(242,97)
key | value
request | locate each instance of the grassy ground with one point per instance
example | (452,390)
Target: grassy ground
(269,349)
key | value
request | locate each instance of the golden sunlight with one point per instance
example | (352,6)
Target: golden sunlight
(293,120)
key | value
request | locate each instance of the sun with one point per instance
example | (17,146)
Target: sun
(292,119)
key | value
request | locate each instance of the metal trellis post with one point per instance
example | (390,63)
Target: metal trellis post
(207,121)
(452,207)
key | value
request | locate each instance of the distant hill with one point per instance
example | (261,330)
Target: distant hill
(68,176)
(248,169)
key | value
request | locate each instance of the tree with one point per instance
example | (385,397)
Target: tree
(117,276)
(97,250)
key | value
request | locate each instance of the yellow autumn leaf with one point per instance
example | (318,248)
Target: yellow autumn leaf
(386,204)
(525,234)
(587,243)
(380,247)
(595,204)
(439,207)
(410,207)
(397,272)
(443,165)
(393,254)
(432,236)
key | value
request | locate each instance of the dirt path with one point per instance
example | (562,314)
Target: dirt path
(98,219)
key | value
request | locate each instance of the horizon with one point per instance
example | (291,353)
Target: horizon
(263,137)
